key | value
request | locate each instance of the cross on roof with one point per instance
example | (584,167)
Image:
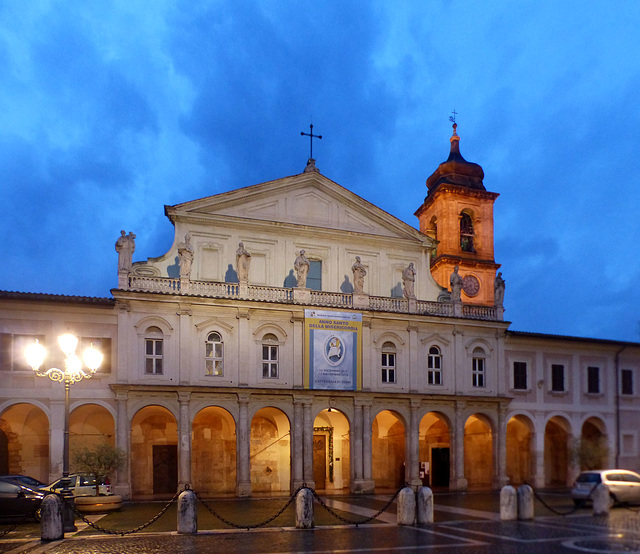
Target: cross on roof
(452,118)
(311,137)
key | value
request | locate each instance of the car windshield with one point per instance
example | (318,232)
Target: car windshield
(589,478)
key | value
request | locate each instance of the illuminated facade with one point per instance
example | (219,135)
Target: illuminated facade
(294,333)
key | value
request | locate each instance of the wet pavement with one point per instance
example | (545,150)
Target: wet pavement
(464,522)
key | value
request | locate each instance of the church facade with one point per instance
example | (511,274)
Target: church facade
(296,333)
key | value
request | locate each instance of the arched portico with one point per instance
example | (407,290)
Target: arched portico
(388,450)
(557,433)
(478,452)
(520,459)
(435,450)
(331,451)
(270,452)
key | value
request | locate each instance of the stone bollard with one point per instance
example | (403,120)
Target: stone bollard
(406,507)
(425,505)
(601,500)
(508,504)
(304,509)
(51,528)
(525,502)
(187,513)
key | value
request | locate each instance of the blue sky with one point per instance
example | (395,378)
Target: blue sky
(111,109)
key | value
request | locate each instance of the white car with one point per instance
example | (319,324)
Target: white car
(81,484)
(623,485)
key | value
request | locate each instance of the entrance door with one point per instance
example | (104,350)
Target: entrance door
(165,468)
(440,467)
(320,461)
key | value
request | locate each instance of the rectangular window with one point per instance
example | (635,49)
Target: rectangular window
(593,380)
(100,344)
(520,375)
(388,367)
(314,277)
(269,361)
(626,382)
(434,369)
(13,348)
(153,356)
(478,372)
(557,378)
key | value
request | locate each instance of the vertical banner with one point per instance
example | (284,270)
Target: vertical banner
(333,350)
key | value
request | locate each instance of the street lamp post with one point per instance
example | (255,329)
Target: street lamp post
(72,373)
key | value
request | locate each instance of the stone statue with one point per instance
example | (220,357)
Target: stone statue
(125,246)
(185,252)
(498,291)
(359,273)
(243,261)
(456,285)
(301,266)
(408,281)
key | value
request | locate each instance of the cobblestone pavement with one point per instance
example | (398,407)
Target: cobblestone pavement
(463,523)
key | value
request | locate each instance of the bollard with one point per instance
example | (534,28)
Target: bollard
(187,513)
(425,505)
(508,504)
(304,509)
(51,528)
(406,507)
(525,502)
(601,500)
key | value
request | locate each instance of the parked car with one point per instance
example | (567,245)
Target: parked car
(81,484)
(24,480)
(624,485)
(19,501)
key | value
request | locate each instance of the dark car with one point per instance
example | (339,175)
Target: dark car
(19,501)
(31,482)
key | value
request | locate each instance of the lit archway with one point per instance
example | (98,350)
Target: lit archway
(213,451)
(519,459)
(435,444)
(90,425)
(331,453)
(270,451)
(388,450)
(478,452)
(27,446)
(154,452)
(556,452)
(592,451)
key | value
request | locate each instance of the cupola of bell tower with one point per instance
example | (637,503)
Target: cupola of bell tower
(458,214)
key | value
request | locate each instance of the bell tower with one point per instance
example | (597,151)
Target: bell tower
(458,214)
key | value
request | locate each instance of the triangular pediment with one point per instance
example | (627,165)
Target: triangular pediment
(308,199)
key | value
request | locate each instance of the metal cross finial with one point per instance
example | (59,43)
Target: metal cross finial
(452,118)
(311,137)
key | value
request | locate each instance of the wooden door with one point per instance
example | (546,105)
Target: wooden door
(165,468)
(320,461)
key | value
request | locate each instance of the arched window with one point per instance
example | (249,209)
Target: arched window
(466,233)
(478,368)
(153,353)
(388,362)
(214,355)
(434,366)
(270,356)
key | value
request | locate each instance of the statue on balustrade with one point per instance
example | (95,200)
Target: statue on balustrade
(409,281)
(456,285)
(125,246)
(243,261)
(498,291)
(359,273)
(185,253)
(301,266)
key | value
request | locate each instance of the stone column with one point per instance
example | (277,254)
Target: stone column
(355,443)
(56,435)
(297,443)
(184,440)
(186,353)
(123,430)
(538,452)
(367,451)
(307,448)
(500,450)
(459,481)
(414,363)
(412,475)
(243,447)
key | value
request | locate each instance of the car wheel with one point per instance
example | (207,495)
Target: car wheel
(578,503)
(612,500)
(37,515)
